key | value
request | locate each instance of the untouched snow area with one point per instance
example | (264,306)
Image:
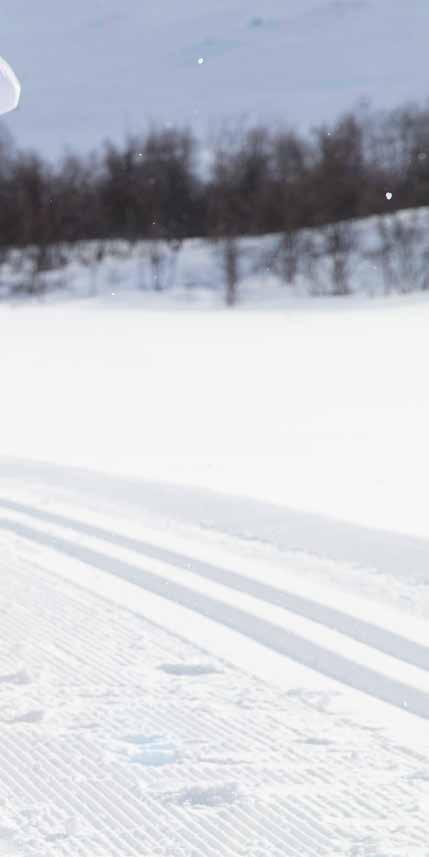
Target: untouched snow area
(105,69)
(214,573)
(322,407)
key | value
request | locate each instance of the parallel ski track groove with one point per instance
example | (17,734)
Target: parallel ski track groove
(386,641)
(280,640)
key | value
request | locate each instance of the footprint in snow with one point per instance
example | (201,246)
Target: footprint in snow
(153,752)
(316,742)
(20,677)
(7,838)
(189,669)
(35,716)
(209,797)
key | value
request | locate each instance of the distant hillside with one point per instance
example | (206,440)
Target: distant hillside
(375,257)
(104,68)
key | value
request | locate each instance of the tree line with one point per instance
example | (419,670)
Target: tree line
(168,186)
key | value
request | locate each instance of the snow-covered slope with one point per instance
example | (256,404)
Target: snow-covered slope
(388,256)
(98,70)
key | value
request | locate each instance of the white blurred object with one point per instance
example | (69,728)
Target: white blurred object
(10,88)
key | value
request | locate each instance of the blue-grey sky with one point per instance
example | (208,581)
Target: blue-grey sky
(102,69)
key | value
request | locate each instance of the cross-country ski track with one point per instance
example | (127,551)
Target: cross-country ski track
(171,691)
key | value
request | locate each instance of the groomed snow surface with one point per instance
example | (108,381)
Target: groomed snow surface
(213,580)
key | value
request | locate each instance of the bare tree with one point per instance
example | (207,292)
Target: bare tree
(402,251)
(36,205)
(291,175)
(312,253)
(227,209)
(340,242)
